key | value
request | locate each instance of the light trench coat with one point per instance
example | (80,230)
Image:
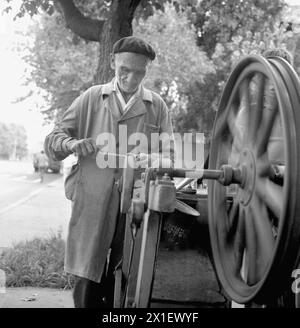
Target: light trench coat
(95,192)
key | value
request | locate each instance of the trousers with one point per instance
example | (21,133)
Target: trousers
(91,294)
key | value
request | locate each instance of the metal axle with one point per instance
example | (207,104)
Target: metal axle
(226,175)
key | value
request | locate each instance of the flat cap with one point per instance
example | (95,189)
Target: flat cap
(134,44)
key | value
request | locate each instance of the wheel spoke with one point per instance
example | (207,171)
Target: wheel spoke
(257,101)
(238,242)
(265,240)
(263,167)
(251,275)
(237,138)
(245,97)
(271,194)
(268,118)
(232,221)
(221,123)
(225,152)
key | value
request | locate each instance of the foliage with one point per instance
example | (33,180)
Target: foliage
(227,55)
(62,64)
(93,9)
(219,21)
(12,141)
(37,263)
(31,7)
(178,57)
(227,31)
(190,82)
(180,63)
(190,78)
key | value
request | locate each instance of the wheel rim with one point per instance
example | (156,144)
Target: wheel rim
(254,226)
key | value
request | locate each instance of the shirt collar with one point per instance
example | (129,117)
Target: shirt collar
(135,95)
(110,87)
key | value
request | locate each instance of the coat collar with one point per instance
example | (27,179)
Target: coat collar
(108,88)
(137,109)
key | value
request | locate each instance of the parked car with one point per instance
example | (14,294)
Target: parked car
(53,166)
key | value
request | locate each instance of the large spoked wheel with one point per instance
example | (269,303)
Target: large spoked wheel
(255,225)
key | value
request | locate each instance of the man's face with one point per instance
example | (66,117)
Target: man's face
(130,70)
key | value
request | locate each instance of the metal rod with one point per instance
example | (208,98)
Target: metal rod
(191,174)
(183,183)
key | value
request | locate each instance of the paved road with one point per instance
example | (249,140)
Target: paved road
(29,208)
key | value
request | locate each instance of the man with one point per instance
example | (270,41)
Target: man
(42,163)
(103,109)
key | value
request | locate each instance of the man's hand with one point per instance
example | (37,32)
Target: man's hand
(156,160)
(83,147)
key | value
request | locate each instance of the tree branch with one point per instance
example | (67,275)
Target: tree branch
(134,4)
(85,27)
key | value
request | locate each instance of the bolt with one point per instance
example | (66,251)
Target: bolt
(166,177)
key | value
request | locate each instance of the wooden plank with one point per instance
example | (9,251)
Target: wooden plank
(118,289)
(149,248)
(133,274)
(127,246)
(132,248)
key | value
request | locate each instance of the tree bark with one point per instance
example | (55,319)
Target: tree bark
(87,28)
(117,26)
(106,32)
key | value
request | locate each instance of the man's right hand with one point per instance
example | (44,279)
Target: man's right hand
(83,147)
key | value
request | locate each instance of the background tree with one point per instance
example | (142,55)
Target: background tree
(12,141)
(220,21)
(180,62)
(226,31)
(101,21)
(62,64)
(189,78)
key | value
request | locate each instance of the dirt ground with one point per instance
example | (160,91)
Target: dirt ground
(183,278)
(31,297)
(186,276)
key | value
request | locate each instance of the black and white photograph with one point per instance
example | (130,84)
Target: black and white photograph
(149,157)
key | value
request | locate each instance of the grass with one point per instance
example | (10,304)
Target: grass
(37,263)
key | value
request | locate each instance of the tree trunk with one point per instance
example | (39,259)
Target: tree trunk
(117,26)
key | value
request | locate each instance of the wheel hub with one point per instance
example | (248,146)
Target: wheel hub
(248,170)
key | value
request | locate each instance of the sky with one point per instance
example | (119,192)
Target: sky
(26,113)
(12,67)
(293,2)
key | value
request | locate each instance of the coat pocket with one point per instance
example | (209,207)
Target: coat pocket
(71,182)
